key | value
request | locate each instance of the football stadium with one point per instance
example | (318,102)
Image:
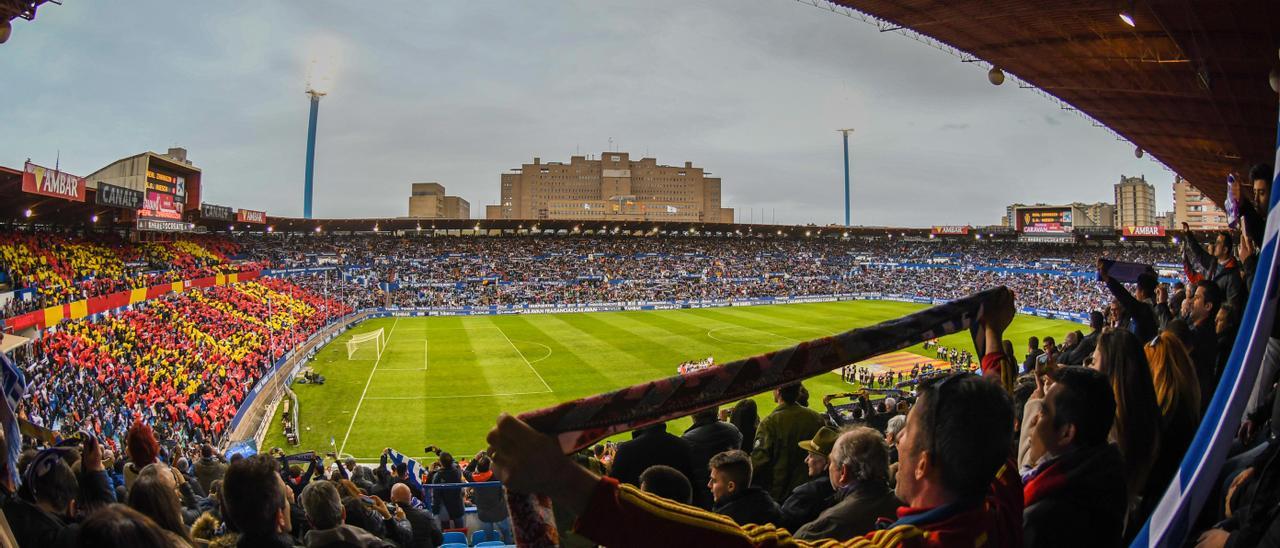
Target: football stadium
(241,345)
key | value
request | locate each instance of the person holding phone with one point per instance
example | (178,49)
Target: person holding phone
(1138,309)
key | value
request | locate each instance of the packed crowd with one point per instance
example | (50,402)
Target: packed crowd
(62,268)
(185,361)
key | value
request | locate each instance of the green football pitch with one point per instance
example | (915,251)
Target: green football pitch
(443,380)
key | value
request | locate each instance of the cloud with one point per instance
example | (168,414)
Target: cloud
(459,92)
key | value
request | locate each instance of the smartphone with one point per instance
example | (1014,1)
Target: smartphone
(366,499)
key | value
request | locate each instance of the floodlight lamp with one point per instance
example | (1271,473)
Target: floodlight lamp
(27,213)
(93,219)
(1127,17)
(995,76)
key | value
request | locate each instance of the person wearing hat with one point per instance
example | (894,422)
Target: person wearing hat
(859,473)
(812,497)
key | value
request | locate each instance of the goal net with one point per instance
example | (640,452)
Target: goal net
(366,345)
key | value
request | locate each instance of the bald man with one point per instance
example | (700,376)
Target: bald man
(426,530)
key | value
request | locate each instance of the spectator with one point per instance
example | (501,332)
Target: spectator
(891,432)
(257,501)
(59,498)
(1177,391)
(812,497)
(707,436)
(860,473)
(1033,352)
(746,419)
(1138,309)
(1136,430)
(1216,265)
(734,495)
(1085,347)
(160,502)
(118,526)
(209,468)
(142,448)
(1075,494)
(777,457)
(448,501)
(361,475)
(666,482)
(1204,338)
(424,527)
(651,445)
(326,514)
(490,501)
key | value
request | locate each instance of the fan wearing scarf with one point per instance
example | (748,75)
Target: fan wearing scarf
(956,477)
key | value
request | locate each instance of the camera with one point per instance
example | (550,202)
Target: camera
(432,449)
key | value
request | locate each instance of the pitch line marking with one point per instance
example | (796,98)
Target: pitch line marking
(366,385)
(544,356)
(461,396)
(526,360)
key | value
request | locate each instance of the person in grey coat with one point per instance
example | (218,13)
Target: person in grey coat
(860,473)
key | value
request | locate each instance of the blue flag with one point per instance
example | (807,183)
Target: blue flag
(415,469)
(14,385)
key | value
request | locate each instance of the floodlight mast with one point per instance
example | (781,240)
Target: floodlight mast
(311,150)
(845,133)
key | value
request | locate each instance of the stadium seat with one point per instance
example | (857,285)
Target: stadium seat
(480,536)
(454,545)
(455,537)
(490,544)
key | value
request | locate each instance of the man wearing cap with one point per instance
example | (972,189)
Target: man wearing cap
(812,497)
(859,472)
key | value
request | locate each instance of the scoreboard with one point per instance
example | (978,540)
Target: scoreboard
(1043,220)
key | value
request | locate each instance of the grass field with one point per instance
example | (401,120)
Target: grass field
(443,380)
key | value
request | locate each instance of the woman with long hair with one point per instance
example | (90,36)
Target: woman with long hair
(1177,388)
(1119,355)
(746,418)
(118,525)
(159,501)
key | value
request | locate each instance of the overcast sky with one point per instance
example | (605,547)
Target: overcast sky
(460,91)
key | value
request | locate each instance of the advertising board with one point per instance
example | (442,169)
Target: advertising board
(51,182)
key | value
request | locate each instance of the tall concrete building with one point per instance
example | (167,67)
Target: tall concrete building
(614,188)
(1135,202)
(1194,208)
(429,201)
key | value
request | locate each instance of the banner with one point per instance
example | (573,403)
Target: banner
(158,205)
(211,211)
(118,196)
(163,225)
(950,230)
(1141,231)
(47,182)
(251,216)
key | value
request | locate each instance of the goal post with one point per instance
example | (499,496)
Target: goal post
(376,339)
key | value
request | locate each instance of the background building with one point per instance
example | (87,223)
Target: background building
(1194,208)
(1135,202)
(611,188)
(428,201)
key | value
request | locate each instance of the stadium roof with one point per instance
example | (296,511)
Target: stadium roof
(1187,83)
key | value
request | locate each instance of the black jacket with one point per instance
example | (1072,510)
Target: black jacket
(705,440)
(1204,355)
(450,499)
(33,526)
(753,505)
(1078,501)
(1141,315)
(652,446)
(1083,349)
(425,528)
(805,503)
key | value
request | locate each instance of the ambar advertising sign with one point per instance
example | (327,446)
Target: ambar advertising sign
(49,182)
(211,211)
(251,216)
(950,230)
(118,196)
(1144,231)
